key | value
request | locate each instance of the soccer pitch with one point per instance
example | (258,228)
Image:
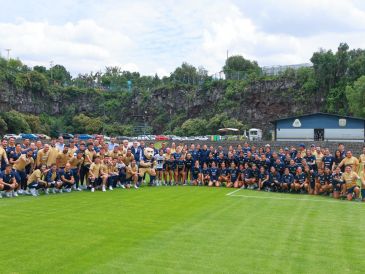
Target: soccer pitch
(181,230)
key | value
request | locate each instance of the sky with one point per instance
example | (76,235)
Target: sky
(158,36)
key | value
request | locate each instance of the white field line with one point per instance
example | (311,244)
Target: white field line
(287,198)
(230,193)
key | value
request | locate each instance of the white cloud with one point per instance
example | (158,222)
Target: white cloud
(158,36)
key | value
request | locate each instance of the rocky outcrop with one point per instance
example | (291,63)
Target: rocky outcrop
(256,104)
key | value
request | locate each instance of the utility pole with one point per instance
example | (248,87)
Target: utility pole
(51,66)
(8,50)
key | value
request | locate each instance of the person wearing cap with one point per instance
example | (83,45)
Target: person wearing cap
(20,169)
(302,150)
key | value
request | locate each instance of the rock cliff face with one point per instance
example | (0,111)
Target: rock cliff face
(256,104)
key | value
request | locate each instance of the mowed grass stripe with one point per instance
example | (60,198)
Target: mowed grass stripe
(181,230)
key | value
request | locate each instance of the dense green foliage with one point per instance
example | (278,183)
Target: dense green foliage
(182,230)
(117,102)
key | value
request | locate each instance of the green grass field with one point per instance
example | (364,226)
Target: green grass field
(181,230)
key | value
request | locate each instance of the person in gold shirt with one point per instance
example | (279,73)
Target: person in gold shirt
(53,153)
(349,178)
(72,149)
(104,173)
(76,162)
(3,157)
(128,157)
(20,168)
(37,180)
(42,156)
(362,160)
(112,173)
(362,178)
(95,174)
(62,158)
(115,153)
(132,174)
(349,160)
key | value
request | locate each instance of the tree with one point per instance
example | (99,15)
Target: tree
(187,74)
(60,75)
(356,97)
(194,127)
(83,123)
(3,126)
(238,68)
(16,122)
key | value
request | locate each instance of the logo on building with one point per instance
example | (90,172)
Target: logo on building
(297,123)
(342,122)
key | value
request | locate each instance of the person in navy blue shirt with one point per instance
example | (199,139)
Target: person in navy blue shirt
(213,175)
(196,174)
(287,180)
(204,153)
(300,180)
(263,179)
(328,160)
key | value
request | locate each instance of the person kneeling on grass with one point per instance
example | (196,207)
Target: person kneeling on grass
(132,174)
(224,175)
(213,175)
(53,180)
(36,180)
(8,182)
(196,174)
(300,181)
(67,178)
(263,179)
(350,178)
(337,183)
(287,180)
(274,179)
(205,174)
(112,173)
(94,174)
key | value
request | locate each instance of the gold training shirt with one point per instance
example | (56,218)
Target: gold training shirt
(95,169)
(22,162)
(349,179)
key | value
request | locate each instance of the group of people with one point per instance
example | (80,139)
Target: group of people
(56,167)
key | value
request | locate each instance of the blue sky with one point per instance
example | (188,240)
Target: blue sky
(157,36)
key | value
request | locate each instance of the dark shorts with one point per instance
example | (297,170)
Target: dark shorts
(351,190)
(7,188)
(34,185)
(159,169)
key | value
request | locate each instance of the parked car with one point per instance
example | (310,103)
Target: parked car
(28,136)
(67,136)
(162,138)
(176,138)
(201,138)
(143,137)
(8,136)
(85,137)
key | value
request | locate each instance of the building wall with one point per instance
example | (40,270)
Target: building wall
(320,121)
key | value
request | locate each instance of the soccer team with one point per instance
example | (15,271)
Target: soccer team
(29,168)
